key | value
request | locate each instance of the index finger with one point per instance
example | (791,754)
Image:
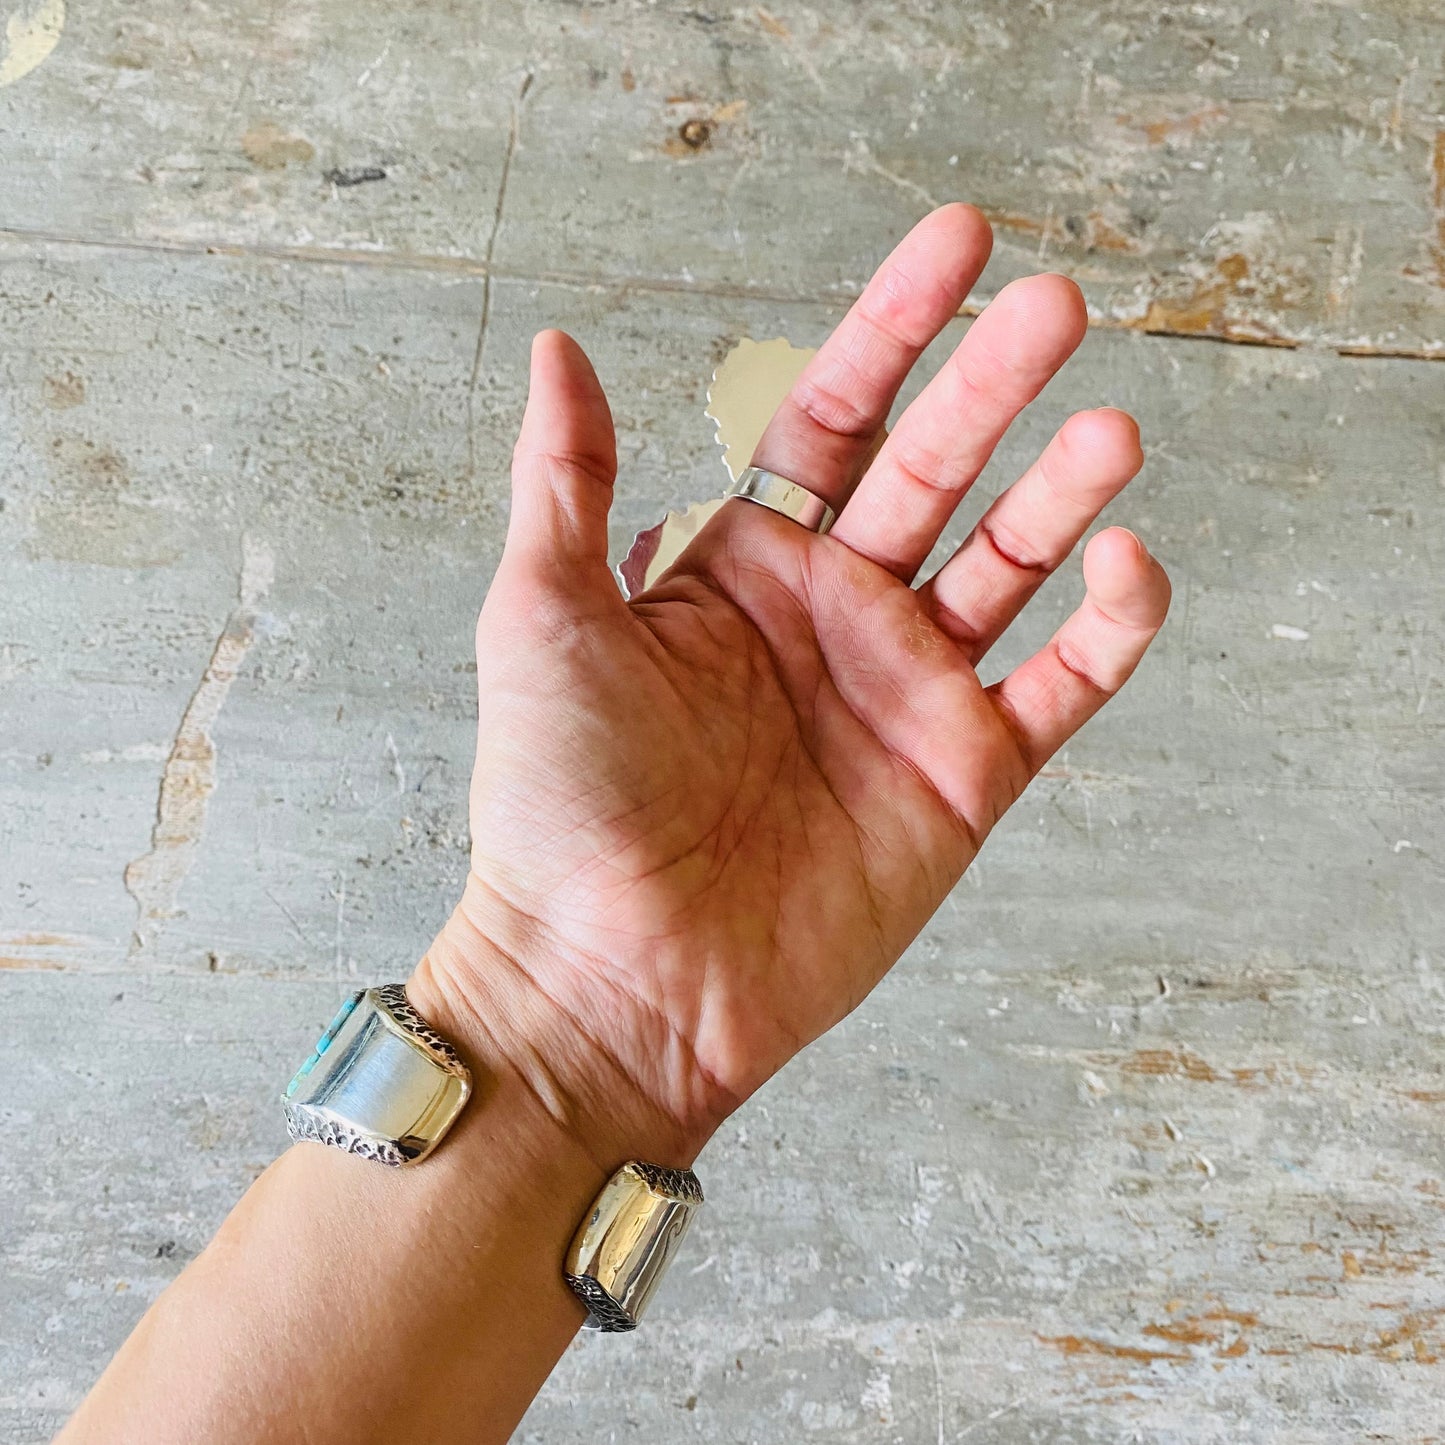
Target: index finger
(825,432)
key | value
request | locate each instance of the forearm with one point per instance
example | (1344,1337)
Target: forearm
(343,1301)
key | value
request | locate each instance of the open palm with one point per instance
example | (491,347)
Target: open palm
(706,822)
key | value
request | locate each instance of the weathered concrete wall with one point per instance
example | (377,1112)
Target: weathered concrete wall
(1143,1139)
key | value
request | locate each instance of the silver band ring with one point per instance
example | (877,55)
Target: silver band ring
(778,494)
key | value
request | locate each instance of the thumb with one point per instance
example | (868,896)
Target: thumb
(564,464)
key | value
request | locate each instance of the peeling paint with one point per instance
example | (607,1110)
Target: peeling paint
(32,32)
(189,777)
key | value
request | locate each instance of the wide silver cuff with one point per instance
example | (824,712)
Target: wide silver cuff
(628,1239)
(381,1082)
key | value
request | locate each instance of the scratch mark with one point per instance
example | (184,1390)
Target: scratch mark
(397,771)
(189,776)
(1239,697)
(835,298)
(780,31)
(992,1415)
(491,247)
(365,76)
(340,921)
(937,1381)
(290,919)
(861,158)
(1347,261)
(1437,174)
(1392,133)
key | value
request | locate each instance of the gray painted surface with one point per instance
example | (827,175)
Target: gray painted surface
(1143,1139)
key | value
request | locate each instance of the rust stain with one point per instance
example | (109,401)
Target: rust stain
(1216,1328)
(36,940)
(1093,231)
(1171,1063)
(1050,228)
(1414,1340)
(1100,235)
(1083,1345)
(1357,1264)
(773,25)
(32,965)
(1207,1327)
(1185,1332)
(1208,309)
(1427,351)
(1176,127)
(696,133)
(1182,1063)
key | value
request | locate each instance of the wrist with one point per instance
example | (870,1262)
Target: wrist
(498,997)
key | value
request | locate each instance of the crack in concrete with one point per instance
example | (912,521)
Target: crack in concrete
(427,262)
(488,273)
(188,777)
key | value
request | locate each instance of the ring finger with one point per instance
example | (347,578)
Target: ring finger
(1031,528)
(825,432)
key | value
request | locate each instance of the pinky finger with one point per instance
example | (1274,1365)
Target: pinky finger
(1051,696)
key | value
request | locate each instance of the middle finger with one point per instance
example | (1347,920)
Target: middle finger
(943,440)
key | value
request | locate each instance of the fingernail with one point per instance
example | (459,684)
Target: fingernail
(1133,537)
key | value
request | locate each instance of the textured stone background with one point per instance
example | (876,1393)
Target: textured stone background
(1142,1141)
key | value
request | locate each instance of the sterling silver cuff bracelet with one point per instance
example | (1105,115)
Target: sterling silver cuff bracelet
(627,1240)
(380,1082)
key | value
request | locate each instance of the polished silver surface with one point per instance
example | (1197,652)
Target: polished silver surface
(630,1235)
(781,495)
(381,1082)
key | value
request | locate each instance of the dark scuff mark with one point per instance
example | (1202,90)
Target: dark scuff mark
(354,175)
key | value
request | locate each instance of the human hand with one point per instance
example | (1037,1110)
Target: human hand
(706,822)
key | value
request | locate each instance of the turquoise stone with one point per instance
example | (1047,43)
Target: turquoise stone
(323,1043)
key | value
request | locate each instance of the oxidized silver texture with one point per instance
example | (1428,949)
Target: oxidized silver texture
(381,1082)
(627,1240)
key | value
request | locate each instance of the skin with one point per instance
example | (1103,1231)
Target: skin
(705,824)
